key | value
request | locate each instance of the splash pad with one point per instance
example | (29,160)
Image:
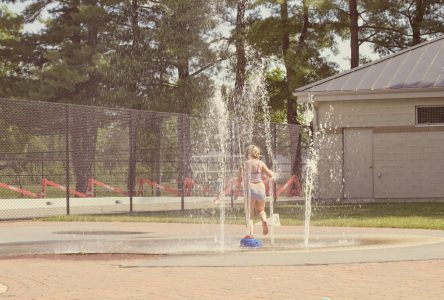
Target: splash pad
(198,245)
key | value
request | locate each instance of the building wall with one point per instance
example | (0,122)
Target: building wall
(329,183)
(408,161)
(408,165)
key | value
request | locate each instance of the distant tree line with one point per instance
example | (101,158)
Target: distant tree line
(165,54)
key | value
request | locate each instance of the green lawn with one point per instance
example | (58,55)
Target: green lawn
(402,215)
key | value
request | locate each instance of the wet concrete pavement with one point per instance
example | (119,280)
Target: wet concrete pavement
(203,244)
(190,262)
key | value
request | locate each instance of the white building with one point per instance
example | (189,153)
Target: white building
(384,128)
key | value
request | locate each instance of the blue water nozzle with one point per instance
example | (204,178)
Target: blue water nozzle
(250,242)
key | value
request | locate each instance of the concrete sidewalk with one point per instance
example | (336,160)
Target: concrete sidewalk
(69,279)
(373,264)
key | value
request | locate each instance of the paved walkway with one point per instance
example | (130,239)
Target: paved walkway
(104,279)
(389,264)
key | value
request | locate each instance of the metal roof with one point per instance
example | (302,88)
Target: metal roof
(418,67)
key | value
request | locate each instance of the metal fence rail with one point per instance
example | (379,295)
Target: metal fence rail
(60,159)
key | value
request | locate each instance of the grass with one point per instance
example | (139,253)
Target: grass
(393,215)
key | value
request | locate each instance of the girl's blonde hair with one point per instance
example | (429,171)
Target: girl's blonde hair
(252,151)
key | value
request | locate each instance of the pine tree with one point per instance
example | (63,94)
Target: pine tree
(11,69)
(349,24)
(71,51)
(395,25)
(295,32)
(184,38)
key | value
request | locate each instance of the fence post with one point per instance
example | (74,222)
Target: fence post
(275,160)
(42,166)
(181,163)
(158,130)
(233,185)
(67,128)
(131,162)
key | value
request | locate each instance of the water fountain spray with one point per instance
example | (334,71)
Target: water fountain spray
(218,124)
(321,141)
(254,105)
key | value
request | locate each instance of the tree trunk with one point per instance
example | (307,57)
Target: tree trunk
(90,88)
(83,146)
(91,27)
(417,21)
(135,23)
(354,34)
(132,146)
(183,70)
(291,114)
(183,128)
(135,49)
(306,24)
(158,125)
(184,149)
(241,60)
(86,124)
(291,103)
(295,134)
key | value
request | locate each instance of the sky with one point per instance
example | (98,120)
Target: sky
(342,58)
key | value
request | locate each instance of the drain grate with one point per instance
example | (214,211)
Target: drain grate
(96,232)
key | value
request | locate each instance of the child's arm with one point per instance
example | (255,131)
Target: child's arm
(238,183)
(267,171)
(240,174)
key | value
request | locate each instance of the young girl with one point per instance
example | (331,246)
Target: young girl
(253,169)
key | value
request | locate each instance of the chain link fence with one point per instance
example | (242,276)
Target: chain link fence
(58,159)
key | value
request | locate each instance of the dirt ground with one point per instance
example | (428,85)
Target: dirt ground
(106,277)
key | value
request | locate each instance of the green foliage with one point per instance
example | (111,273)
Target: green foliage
(18,147)
(301,57)
(137,54)
(15,140)
(265,35)
(10,64)
(158,54)
(276,88)
(394,25)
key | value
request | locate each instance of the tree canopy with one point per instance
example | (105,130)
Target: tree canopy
(165,54)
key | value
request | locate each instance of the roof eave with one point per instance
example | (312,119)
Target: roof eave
(358,70)
(308,96)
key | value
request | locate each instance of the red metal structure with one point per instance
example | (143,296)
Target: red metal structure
(233,186)
(293,185)
(162,187)
(92,183)
(46,182)
(19,190)
(189,186)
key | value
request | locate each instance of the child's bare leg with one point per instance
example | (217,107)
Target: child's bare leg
(260,211)
(252,213)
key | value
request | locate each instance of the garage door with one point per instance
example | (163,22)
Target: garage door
(358,163)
